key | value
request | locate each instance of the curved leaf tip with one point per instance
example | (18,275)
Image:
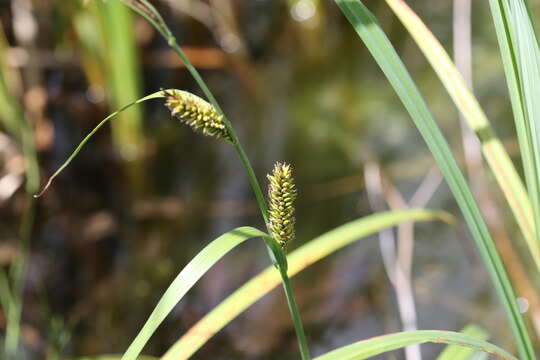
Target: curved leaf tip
(157,94)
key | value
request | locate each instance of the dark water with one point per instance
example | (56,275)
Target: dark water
(105,247)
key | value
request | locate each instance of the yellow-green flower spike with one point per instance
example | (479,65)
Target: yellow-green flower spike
(197,113)
(281,195)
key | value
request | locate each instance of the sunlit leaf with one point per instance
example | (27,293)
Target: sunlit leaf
(371,347)
(189,275)
(367,27)
(299,259)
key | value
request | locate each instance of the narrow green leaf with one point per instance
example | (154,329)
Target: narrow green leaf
(528,65)
(371,347)
(5,291)
(479,356)
(519,52)
(10,111)
(79,147)
(385,55)
(496,156)
(458,352)
(298,260)
(114,357)
(149,12)
(191,273)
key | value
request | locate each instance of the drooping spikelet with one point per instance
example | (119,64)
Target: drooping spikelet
(281,195)
(197,113)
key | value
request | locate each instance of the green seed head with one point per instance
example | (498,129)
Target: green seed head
(281,195)
(197,113)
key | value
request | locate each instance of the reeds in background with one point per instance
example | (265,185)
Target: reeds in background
(322,108)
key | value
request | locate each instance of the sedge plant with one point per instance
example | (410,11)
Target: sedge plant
(17,124)
(209,119)
(506,15)
(520,52)
(203,117)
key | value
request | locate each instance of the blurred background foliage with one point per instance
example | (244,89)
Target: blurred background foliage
(145,195)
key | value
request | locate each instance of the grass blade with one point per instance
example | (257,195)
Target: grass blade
(298,260)
(149,12)
(382,50)
(114,357)
(519,52)
(458,352)
(20,127)
(9,108)
(479,356)
(496,156)
(191,273)
(367,348)
(79,147)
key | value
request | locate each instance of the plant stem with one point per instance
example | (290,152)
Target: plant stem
(13,326)
(293,307)
(298,327)
(16,273)
(145,9)
(236,142)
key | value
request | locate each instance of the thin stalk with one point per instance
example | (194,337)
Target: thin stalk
(5,290)
(304,351)
(367,27)
(19,127)
(459,89)
(144,8)
(171,40)
(16,271)
(293,307)
(13,327)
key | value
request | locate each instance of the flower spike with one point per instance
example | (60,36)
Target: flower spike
(281,195)
(197,113)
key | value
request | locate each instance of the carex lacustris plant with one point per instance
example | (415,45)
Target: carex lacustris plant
(203,117)
(208,119)
(149,12)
